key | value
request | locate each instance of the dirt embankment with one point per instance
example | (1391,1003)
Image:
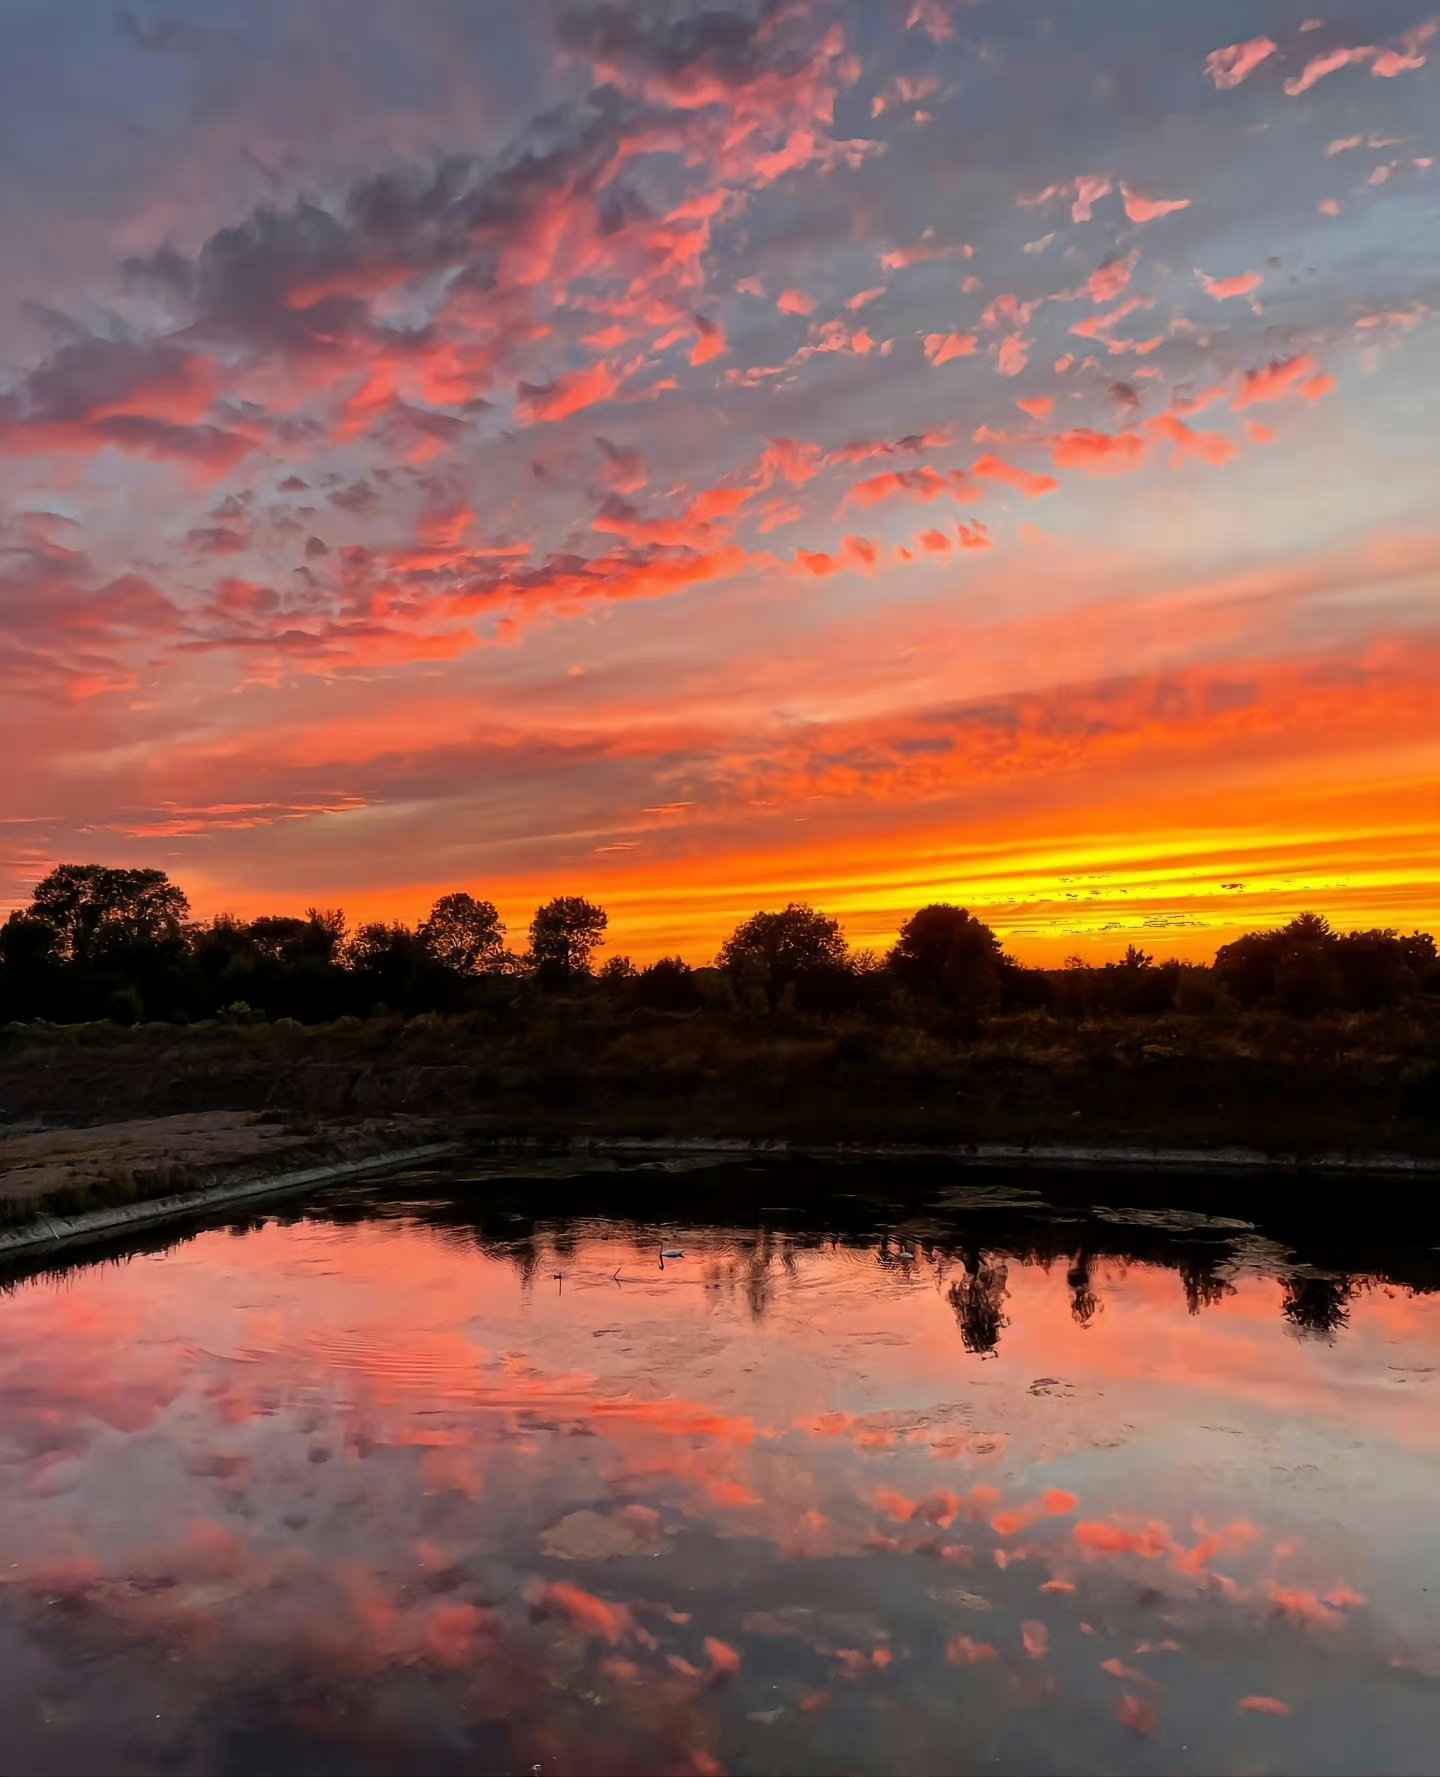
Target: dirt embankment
(70,1172)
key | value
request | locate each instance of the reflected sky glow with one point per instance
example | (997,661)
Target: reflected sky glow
(395,1488)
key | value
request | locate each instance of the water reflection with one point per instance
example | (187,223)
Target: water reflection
(453,1475)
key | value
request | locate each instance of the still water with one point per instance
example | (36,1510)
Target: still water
(762,1469)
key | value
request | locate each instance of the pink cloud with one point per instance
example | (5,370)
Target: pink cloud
(932,18)
(1099,453)
(920,484)
(1321,66)
(1150,209)
(1013,354)
(1206,447)
(1008,310)
(1037,406)
(710,344)
(1241,284)
(1089,189)
(921,252)
(860,450)
(1282,377)
(1031,486)
(1098,326)
(1391,62)
(796,302)
(570,393)
(1228,67)
(940,348)
(1106,283)
(859,553)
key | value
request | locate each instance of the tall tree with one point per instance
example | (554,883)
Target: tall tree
(92,907)
(564,936)
(772,951)
(464,935)
(946,953)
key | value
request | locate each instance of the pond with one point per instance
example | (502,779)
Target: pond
(745,1468)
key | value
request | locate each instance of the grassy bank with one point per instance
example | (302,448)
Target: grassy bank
(1353,1083)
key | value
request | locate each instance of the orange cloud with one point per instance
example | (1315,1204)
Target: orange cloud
(920,484)
(1139,1716)
(568,394)
(1229,67)
(1098,326)
(922,252)
(990,468)
(1099,453)
(1206,447)
(1318,67)
(960,1650)
(1224,288)
(1106,283)
(1150,209)
(940,348)
(1282,377)
(711,343)
(591,1615)
(1089,189)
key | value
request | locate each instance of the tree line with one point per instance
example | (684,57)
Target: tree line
(97,942)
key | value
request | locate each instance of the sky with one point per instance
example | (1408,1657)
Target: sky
(700,457)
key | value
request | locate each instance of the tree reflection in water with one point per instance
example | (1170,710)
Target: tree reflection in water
(976,1299)
(1317,1307)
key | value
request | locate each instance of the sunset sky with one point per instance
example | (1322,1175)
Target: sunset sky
(698,458)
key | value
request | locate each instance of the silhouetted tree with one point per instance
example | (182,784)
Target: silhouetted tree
(564,936)
(1135,984)
(92,908)
(103,942)
(28,943)
(944,953)
(29,967)
(464,935)
(393,967)
(326,926)
(1377,969)
(1291,966)
(772,951)
(668,986)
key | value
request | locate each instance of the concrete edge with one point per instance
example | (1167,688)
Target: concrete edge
(94,1224)
(994,1153)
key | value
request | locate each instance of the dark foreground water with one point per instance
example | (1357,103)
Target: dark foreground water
(882,1473)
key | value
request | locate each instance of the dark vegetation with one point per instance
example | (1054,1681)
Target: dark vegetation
(1297,1039)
